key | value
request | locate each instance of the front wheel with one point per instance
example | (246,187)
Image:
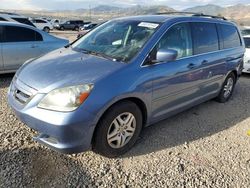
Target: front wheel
(227,89)
(118,129)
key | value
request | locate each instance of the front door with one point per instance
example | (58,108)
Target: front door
(175,83)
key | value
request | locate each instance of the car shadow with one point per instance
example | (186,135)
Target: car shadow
(196,123)
(5,80)
(38,167)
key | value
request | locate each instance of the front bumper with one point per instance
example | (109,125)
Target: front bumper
(64,132)
(246,68)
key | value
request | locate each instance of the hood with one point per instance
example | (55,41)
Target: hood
(65,67)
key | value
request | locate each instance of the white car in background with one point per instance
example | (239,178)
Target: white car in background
(42,24)
(247,54)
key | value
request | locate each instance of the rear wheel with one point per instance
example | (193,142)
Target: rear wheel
(76,28)
(46,29)
(118,130)
(62,28)
(227,88)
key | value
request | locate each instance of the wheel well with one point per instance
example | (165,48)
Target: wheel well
(235,74)
(137,101)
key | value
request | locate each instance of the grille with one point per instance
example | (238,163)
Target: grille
(21,96)
(21,92)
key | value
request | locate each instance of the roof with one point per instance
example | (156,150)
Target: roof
(166,17)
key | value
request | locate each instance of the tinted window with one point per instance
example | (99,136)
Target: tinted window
(20,34)
(247,42)
(205,37)
(230,36)
(178,38)
(24,21)
(40,21)
(2,19)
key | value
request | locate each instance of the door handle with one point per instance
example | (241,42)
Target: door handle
(191,66)
(204,62)
(34,46)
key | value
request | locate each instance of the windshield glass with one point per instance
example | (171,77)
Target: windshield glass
(247,42)
(120,40)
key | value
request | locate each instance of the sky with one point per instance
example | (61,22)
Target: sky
(76,4)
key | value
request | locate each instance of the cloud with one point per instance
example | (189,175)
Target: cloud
(74,4)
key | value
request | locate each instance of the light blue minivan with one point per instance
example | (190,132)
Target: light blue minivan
(100,91)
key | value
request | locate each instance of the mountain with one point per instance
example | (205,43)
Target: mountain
(239,13)
(206,9)
(105,8)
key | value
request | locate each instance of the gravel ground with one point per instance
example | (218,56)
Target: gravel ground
(206,146)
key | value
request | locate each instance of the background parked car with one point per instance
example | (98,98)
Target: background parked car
(86,28)
(247,54)
(245,32)
(71,25)
(12,17)
(55,22)
(20,43)
(42,24)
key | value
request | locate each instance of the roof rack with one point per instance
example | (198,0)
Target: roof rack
(197,14)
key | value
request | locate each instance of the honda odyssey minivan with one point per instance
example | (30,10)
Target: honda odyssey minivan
(99,92)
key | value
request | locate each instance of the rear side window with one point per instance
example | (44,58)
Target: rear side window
(24,21)
(205,37)
(2,19)
(40,21)
(230,36)
(20,34)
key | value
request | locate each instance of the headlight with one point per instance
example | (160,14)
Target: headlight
(66,99)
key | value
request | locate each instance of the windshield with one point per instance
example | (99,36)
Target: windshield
(247,42)
(120,40)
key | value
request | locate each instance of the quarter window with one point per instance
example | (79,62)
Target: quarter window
(20,34)
(205,38)
(230,36)
(178,38)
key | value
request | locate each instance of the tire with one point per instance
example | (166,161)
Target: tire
(104,145)
(46,29)
(76,28)
(62,28)
(229,83)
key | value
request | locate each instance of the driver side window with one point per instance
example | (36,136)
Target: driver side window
(177,38)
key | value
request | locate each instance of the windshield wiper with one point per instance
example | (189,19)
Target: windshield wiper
(98,54)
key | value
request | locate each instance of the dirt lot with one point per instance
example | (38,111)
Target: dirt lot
(70,35)
(206,146)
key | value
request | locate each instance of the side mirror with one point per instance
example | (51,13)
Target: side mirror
(164,55)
